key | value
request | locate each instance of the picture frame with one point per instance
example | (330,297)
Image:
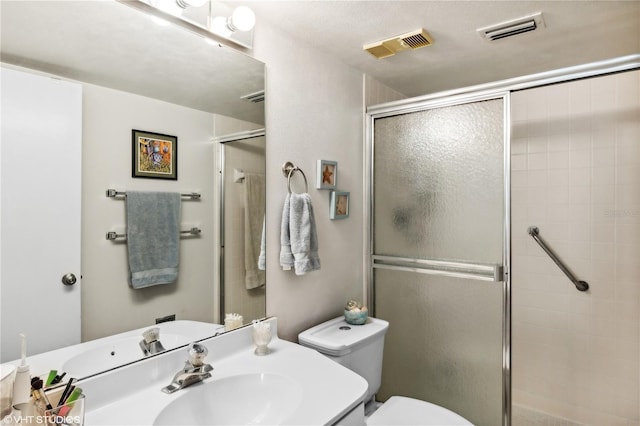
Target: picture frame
(339,205)
(154,155)
(326,174)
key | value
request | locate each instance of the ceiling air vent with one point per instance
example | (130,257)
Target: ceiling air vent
(255,97)
(389,47)
(513,27)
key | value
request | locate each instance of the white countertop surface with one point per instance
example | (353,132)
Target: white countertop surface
(132,395)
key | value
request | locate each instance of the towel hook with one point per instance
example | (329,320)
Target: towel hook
(288,169)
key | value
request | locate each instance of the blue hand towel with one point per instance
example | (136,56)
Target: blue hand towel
(302,229)
(153,237)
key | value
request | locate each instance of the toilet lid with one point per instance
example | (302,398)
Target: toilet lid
(400,410)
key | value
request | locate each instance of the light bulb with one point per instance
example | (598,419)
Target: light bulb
(219,26)
(242,19)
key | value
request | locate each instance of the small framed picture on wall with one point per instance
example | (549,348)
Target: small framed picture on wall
(326,174)
(339,205)
(154,155)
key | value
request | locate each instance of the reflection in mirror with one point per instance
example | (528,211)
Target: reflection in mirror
(133,74)
(243,194)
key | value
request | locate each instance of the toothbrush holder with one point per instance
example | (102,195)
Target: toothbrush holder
(71,414)
(261,337)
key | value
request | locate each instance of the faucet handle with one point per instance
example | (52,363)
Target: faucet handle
(151,335)
(197,353)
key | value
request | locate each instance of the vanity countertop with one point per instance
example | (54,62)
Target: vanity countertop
(315,389)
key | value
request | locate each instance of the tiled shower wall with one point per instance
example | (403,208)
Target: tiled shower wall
(576,175)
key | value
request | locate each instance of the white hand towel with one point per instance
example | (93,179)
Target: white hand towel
(303,236)
(262,259)
(254,201)
(286,257)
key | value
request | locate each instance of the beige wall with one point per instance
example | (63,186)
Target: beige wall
(377,93)
(576,175)
(313,111)
(109,305)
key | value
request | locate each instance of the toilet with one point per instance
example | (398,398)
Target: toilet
(360,348)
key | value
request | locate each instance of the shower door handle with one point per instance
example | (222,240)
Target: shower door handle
(476,271)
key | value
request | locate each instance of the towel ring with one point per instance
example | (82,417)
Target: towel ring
(288,169)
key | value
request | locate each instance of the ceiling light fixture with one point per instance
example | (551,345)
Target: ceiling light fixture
(209,18)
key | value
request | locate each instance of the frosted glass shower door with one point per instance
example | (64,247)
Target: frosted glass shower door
(438,255)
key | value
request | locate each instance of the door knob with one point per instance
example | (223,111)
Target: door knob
(69,279)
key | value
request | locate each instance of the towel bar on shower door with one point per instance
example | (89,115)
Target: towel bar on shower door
(580,285)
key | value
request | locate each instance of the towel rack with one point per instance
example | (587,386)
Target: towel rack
(112,193)
(580,285)
(113,236)
(238,175)
(288,169)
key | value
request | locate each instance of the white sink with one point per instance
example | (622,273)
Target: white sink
(114,354)
(247,399)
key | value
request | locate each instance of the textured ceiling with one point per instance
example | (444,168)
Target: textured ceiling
(576,32)
(107,43)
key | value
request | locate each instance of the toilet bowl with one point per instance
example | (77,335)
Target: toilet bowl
(360,348)
(400,410)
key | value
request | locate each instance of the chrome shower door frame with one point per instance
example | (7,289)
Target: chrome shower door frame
(220,142)
(371,260)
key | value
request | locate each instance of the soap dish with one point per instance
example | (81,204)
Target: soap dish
(356,317)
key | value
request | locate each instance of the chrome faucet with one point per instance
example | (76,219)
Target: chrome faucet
(150,344)
(194,371)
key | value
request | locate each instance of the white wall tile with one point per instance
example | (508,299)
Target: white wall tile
(577,355)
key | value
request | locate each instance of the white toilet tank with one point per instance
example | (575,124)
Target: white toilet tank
(357,347)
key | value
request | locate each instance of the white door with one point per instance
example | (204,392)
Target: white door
(40,219)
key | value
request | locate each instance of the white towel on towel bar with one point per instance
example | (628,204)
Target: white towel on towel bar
(299,240)
(254,202)
(286,256)
(262,259)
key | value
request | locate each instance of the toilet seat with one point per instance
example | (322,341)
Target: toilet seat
(400,410)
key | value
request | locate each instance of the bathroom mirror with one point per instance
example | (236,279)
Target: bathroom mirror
(131,67)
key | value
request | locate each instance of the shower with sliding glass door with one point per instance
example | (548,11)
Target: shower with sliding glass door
(439,253)
(504,238)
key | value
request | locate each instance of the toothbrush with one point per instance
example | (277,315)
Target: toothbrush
(52,376)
